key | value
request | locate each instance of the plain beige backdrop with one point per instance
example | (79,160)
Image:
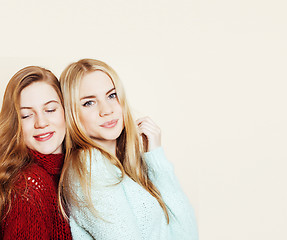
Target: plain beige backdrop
(212,74)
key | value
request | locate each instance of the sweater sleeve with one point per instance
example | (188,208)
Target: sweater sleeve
(25,221)
(182,219)
(114,218)
(77,231)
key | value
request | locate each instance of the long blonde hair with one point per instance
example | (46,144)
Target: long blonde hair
(128,152)
(13,151)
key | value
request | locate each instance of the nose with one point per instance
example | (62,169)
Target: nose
(40,121)
(105,109)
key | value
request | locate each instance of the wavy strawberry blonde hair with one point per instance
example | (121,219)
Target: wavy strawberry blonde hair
(79,146)
(13,151)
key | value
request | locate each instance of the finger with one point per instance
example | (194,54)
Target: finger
(148,121)
(140,120)
(150,127)
(144,119)
(149,132)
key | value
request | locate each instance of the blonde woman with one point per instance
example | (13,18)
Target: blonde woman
(32,130)
(115,188)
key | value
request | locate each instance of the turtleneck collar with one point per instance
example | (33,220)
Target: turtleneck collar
(52,163)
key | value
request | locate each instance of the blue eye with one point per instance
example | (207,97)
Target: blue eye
(113,95)
(88,103)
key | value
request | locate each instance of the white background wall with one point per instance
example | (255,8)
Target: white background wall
(212,74)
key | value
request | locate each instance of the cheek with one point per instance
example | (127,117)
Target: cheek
(83,117)
(121,116)
(61,125)
(27,128)
(63,121)
(120,112)
(27,133)
(118,108)
(58,119)
(87,120)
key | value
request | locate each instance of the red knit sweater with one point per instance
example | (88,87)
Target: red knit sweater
(34,211)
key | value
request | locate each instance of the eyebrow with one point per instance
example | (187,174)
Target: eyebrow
(45,104)
(93,96)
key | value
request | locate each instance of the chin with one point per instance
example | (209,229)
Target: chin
(112,137)
(48,150)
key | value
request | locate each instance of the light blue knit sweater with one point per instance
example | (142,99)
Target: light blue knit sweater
(127,211)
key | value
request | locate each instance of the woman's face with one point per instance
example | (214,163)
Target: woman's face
(42,118)
(100,111)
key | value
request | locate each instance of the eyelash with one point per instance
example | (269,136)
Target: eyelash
(113,96)
(26,116)
(48,111)
(91,103)
(51,110)
(88,103)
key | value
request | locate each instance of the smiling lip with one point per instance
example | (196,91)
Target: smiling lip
(44,137)
(110,124)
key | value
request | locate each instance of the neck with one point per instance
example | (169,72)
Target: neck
(109,146)
(52,163)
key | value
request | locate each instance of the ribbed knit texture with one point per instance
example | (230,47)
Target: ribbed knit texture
(128,211)
(34,211)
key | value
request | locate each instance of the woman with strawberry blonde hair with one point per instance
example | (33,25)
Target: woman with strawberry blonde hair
(32,131)
(113,186)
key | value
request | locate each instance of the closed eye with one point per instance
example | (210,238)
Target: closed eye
(50,110)
(25,116)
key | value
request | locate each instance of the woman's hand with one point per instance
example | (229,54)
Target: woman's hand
(150,132)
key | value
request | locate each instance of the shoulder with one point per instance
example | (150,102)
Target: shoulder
(100,165)
(102,171)
(32,184)
(30,210)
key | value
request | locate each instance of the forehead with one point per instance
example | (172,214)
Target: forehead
(37,94)
(95,82)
